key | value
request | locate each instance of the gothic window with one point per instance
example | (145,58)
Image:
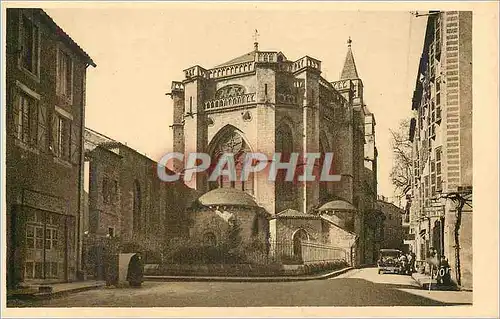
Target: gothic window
(233,143)
(284,145)
(230,91)
(323,186)
(255,226)
(137,221)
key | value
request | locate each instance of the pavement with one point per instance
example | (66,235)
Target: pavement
(355,287)
(425,282)
(37,291)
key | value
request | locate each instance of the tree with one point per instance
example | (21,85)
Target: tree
(460,198)
(401,171)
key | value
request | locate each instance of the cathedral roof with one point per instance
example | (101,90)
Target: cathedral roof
(227,197)
(337,205)
(247,57)
(349,71)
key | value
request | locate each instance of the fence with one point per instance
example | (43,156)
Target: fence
(316,252)
(307,252)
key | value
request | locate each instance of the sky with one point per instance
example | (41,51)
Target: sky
(139,50)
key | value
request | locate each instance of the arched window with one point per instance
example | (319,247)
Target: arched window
(284,145)
(255,226)
(323,186)
(209,239)
(231,142)
(136,215)
(299,236)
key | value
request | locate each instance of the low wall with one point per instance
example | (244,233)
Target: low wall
(240,270)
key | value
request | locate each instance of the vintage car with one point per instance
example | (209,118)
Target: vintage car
(388,261)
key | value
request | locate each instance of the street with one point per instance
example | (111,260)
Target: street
(359,287)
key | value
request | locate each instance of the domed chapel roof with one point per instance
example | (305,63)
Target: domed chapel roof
(227,197)
(337,205)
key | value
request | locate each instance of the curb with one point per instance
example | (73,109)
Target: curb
(49,295)
(434,286)
(248,279)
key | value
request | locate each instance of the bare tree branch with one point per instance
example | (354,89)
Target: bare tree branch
(402,165)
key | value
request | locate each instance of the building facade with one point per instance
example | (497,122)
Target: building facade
(45,111)
(128,208)
(392,230)
(441,134)
(262,102)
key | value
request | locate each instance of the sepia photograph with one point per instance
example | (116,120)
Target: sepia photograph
(249,155)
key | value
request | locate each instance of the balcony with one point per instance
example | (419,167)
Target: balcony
(306,62)
(343,85)
(230,102)
(262,56)
(230,70)
(177,86)
(196,71)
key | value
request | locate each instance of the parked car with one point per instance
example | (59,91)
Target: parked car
(388,261)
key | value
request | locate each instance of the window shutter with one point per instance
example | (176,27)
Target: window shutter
(33,121)
(54,136)
(75,144)
(15,113)
(42,127)
(58,71)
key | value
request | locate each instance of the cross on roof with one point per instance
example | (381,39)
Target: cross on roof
(256,36)
(256,40)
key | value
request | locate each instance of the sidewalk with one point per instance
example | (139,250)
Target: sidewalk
(46,291)
(249,279)
(424,281)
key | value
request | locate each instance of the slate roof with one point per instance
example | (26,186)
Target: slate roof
(69,41)
(349,71)
(247,57)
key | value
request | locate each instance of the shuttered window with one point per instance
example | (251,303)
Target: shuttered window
(25,118)
(64,83)
(30,44)
(61,136)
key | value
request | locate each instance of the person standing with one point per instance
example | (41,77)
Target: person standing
(412,261)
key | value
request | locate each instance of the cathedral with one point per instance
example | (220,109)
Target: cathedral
(264,102)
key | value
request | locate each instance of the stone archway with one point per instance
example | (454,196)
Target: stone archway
(299,236)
